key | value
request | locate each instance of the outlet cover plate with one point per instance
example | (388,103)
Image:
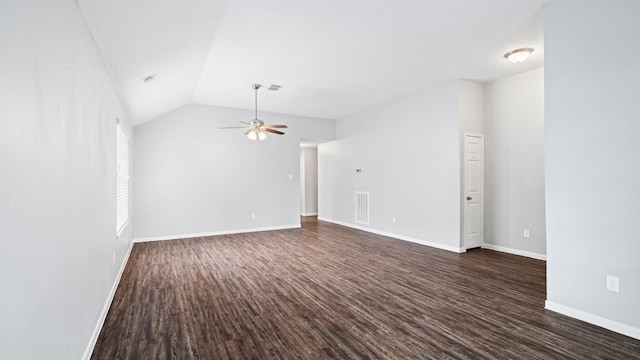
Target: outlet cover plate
(613,283)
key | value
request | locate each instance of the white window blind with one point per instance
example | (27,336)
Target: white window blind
(122,189)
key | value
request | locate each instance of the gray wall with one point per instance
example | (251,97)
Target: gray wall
(409,153)
(193,178)
(514,163)
(59,255)
(592,72)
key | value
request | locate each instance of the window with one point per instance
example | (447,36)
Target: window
(122,188)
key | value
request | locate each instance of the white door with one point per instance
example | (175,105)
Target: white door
(473,212)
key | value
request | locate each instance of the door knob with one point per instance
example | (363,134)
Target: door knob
(468,197)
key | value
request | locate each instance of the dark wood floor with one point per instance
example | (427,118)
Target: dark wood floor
(326,291)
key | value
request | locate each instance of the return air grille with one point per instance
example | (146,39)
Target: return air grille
(362,207)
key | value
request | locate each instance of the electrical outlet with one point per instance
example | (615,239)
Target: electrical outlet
(253,215)
(613,283)
(526,233)
(290,177)
(393,220)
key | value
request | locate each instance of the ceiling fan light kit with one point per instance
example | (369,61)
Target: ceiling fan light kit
(256,135)
(257,129)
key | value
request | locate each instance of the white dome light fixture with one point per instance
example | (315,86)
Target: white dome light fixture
(518,55)
(252,135)
(256,134)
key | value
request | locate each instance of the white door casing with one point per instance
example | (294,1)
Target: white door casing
(473,212)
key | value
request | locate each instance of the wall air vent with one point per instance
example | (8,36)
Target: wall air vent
(275,87)
(362,207)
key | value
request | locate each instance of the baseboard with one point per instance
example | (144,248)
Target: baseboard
(105,309)
(515,251)
(309,214)
(214,233)
(396,236)
(593,319)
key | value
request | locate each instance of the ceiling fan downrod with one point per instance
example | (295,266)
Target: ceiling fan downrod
(256,87)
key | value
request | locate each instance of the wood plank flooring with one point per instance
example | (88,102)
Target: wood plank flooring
(326,291)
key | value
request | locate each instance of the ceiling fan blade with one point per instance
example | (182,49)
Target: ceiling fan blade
(273,131)
(248,131)
(244,122)
(233,127)
(276,126)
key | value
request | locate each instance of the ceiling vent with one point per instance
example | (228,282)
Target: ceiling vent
(149,78)
(275,87)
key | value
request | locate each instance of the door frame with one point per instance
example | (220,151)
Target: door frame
(465,202)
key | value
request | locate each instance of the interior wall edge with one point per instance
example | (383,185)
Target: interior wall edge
(593,319)
(215,233)
(106,307)
(515,251)
(396,236)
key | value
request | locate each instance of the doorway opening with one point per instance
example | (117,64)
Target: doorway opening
(308,178)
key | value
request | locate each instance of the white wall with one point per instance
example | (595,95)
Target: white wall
(470,109)
(309,180)
(592,72)
(193,178)
(409,153)
(58,183)
(514,163)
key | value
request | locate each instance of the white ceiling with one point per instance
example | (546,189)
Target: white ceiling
(332,57)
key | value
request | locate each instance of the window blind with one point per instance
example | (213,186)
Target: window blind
(122,186)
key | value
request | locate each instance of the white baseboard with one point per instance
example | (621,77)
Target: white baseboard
(396,236)
(594,319)
(103,316)
(214,233)
(515,251)
(309,214)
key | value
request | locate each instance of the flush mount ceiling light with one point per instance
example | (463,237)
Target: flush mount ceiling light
(518,55)
(257,129)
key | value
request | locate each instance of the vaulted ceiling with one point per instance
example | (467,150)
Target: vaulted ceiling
(332,57)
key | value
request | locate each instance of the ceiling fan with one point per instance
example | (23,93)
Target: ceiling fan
(257,129)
